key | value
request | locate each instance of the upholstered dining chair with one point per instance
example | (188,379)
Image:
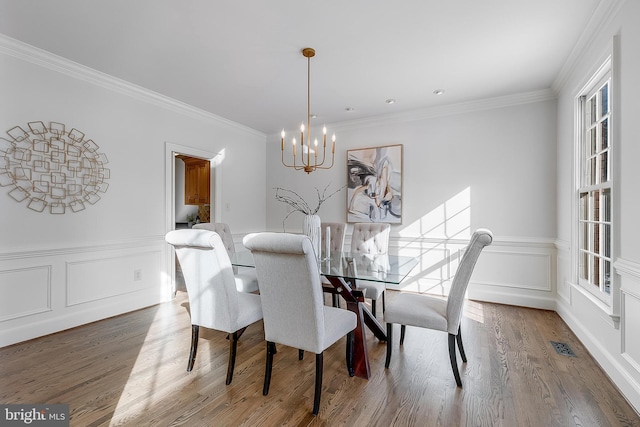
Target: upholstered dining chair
(246,281)
(214,300)
(292,303)
(438,314)
(371,238)
(337,233)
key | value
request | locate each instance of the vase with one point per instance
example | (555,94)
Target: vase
(311,228)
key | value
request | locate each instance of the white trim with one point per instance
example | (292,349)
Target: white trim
(499,296)
(448,110)
(603,15)
(607,303)
(106,246)
(48,268)
(629,269)
(607,360)
(42,58)
(81,316)
(216,194)
(70,264)
(612,319)
(504,285)
(623,329)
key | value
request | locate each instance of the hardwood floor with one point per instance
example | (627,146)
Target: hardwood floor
(131,370)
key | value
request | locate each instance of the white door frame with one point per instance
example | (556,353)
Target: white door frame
(215,160)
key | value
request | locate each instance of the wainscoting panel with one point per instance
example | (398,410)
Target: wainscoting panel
(563,276)
(99,278)
(25,291)
(630,326)
(511,270)
(49,290)
(514,270)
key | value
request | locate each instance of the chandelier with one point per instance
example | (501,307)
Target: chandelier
(308,155)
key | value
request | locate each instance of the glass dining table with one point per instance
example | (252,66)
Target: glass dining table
(342,271)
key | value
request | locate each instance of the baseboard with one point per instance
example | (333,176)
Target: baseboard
(609,362)
(502,296)
(50,325)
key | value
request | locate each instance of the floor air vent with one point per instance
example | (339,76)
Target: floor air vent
(563,349)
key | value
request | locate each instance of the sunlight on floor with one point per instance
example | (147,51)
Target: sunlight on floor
(474,311)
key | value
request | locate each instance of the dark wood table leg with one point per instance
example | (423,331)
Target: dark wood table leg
(354,304)
(360,355)
(373,324)
(369,319)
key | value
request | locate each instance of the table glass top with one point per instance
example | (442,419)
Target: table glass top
(377,268)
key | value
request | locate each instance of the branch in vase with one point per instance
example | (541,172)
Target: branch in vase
(298,204)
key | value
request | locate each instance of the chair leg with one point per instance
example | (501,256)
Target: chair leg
(233,346)
(335,300)
(195,329)
(271,349)
(373,307)
(350,368)
(452,357)
(403,328)
(389,343)
(384,308)
(460,347)
(318,391)
(300,354)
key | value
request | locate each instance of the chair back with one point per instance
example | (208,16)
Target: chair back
(290,289)
(337,231)
(370,238)
(225,234)
(211,286)
(480,238)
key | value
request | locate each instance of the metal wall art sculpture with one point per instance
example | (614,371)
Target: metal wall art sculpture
(51,168)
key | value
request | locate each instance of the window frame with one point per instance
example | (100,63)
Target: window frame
(595,186)
(608,303)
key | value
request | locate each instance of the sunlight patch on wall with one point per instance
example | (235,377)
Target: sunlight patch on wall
(451,219)
(437,238)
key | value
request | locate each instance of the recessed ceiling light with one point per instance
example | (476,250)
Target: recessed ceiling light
(438,92)
(349,109)
(390,101)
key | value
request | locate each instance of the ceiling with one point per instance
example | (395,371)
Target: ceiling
(242,60)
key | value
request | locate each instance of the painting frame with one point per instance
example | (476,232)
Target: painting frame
(374,184)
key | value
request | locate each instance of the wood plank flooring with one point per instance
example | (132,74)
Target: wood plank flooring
(131,370)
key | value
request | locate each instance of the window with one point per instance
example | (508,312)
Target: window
(594,187)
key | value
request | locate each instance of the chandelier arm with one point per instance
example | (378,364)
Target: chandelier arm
(324,156)
(327,167)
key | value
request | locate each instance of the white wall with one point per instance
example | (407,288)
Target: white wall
(613,343)
(58,271)
(505,164)
(487,164)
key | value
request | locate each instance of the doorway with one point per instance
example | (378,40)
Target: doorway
(173,179)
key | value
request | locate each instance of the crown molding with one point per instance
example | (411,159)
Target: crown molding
(45,59)
(600,19)
(449,110)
